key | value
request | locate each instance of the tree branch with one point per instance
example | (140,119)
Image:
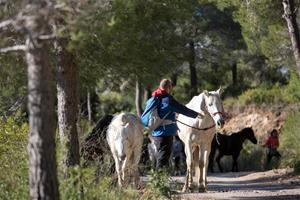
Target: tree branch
(13,108)
(2,2)
(5,24)
(13,48)
(47,37)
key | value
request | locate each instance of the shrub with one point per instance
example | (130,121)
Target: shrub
(252,157)
(158,186)
(14,160)
(269,95)
(113,102)
(83,183)
(290,138)
(292,92)
(275,94)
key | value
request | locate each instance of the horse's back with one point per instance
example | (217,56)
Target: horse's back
(229,144)
(125,126)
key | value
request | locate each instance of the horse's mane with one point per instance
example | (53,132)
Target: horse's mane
(194,102)
(246,130)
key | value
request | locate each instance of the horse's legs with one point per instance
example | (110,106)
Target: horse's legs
(220,155)
(189,175)
(125,169)
(214,146)
(211,163)
(234,163)
(196,163)
(128,169)
(118,170)
(203,170)
(136,160)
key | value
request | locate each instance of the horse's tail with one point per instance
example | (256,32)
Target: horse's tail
(212,154)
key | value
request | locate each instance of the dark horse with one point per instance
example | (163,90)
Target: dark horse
(94,146)
(229,145)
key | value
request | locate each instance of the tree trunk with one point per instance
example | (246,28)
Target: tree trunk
(234,73)
(42,160)
(193,72)
(174,77)
(147,93)
(89,107)
(138,98)
(290,17)
(68,103)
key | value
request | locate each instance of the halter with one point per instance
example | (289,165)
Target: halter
(211,115)
(214,114)
(221,113)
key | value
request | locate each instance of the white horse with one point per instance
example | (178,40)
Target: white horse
(125,139)
(197,135)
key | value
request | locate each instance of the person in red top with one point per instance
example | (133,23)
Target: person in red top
(272,144)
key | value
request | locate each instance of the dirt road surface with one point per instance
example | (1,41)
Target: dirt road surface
(273,184)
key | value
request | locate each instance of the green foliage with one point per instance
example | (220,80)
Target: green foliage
(276,94)
(83,183)
(147,40)
(292,92)
(290,138)
(182,89)
(252,157)
(276,45)
(256,18)
(158,185)
(12,70)
(14,160)
(12,82)
(266,37)
(262,95)
(128,39)
(112,102)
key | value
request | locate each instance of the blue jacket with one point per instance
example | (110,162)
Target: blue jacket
(169,104)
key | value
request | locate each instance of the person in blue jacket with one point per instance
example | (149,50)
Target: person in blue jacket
(162,137)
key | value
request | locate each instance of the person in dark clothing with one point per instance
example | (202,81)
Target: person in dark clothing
(177,154)
(162,137)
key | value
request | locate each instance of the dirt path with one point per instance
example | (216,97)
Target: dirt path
(274,184)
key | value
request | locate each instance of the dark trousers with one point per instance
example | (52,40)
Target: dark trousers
(272,152)
(164,149)
(177,163)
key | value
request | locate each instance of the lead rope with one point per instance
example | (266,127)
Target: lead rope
(217,139)
(200,129)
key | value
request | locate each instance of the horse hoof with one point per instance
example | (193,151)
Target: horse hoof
(202,190)
(187,189)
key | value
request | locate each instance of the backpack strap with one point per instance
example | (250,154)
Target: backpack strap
(158,108)
(165,121)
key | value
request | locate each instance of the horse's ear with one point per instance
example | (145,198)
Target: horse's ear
(205,92)
(220,90)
